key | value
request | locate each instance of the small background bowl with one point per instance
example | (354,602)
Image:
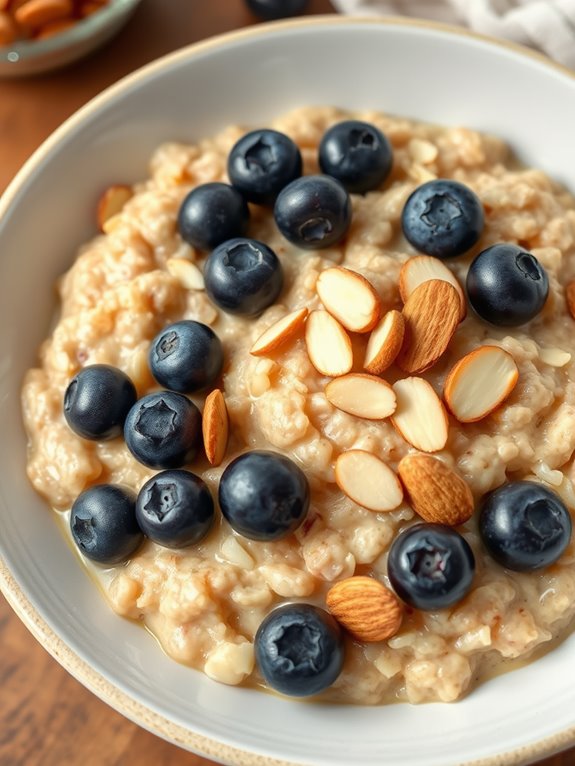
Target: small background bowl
(26,57)
(425,71)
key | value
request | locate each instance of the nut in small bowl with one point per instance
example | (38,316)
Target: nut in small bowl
(39,35)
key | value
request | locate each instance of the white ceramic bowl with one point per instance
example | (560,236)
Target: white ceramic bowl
(28,57)
(419,70)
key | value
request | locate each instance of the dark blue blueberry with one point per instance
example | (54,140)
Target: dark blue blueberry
(442,218)
(313,212)
(212,213)
(264,495)
(299,649)
(163,430)
(506,285)
(186,356)
(243,276)
(357,154)
(276,9)
(175,509)
(262,163)
(103,524)
(97,402)
(524,526)
(430,566)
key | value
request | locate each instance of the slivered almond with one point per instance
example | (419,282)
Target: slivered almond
(279,333)
(328,344)
(420,416)
(431,316)
(215,427)
(437,493)
(570,296)
(111,202)
(422,268)
(479,382)
(384,343)
(366,608)
(350,298)
(364,396)
(368,481)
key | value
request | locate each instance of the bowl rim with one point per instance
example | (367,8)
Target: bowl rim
(99,685)
(22,51)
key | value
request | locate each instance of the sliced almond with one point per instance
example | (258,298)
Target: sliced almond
(364,396)
(570,296)
(368,481)
(479,382)
(422,268)
(437,493)
(350,298)
(366,608)
(279,333)
(420,416)
(111,202)
(186,272)
(431,316)
(328,344)
(384,343)
(215,427)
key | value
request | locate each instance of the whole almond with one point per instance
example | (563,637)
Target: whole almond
(350,298)
(384,343)
(328,345)
(479,382)
(366,608)
(280,332)
(431,317)
(423,268)
(215,427)
(437,493)
(37,13)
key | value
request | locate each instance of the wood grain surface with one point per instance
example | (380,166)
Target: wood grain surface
(46,717)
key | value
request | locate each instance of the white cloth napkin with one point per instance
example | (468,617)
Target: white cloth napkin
(548,25)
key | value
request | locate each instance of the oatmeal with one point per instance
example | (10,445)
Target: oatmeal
(205,602)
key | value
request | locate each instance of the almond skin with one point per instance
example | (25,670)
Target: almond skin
(437,493)
(479,383)
(384,343)
(215,427)
(422,268)
(282,331)
(366,608)
(431,317)
(350,298)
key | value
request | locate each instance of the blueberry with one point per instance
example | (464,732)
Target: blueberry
(299,649)
(357,154)
(243,276)
(103,524)
(175,509)
(262,163)
(506,285)
(313,212)
(186,356)
(163,430)
(276,9)
(264,495)
(212,213)
(430,566)
(442,218)
(97,401)
(524,526)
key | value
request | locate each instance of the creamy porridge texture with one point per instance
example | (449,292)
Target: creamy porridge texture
(206,602)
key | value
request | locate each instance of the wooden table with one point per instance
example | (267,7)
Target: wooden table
(46,717)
